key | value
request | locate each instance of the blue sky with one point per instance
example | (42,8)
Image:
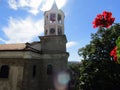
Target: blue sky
(22,20)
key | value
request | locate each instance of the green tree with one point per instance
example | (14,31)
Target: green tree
(99,75)
(118,48)
(98,71)
(103,41)
(75,74)
(95,75)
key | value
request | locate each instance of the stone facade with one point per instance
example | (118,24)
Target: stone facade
(28,65)
(32,66)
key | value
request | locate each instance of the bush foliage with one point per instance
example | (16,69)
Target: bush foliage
(98,70)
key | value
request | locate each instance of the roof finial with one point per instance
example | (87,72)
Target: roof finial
(54,6)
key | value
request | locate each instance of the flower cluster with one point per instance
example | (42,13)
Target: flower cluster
(104,20)
(113,53)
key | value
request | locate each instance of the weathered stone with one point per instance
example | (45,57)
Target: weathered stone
(32,66)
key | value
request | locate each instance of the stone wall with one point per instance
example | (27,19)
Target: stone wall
(58,62)
(5,84)
(14,80)
(53,44)
(22,64)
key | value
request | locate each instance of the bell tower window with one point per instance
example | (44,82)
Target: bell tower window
(47,17)
(59,31)
(46,32)
(52,18)
(59,19)
(54,21)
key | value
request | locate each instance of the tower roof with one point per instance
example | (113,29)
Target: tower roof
(54,6)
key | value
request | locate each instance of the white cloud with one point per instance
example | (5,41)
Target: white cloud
(30,5)
(71,44)
(48,4)
(35,6)
(2,40)
(22,30)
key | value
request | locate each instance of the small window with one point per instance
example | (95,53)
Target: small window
(45,22)
(59,31)
(59,18)
(52,17)
(46,31)
(4,71)
(49,69)
(34,71)
(47,17)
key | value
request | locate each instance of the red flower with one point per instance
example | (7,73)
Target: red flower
(113,53)
(107,14)
(104,20)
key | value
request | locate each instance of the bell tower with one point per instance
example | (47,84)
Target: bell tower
(53,47)
(54,21)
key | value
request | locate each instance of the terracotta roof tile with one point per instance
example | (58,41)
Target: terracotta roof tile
(20,46)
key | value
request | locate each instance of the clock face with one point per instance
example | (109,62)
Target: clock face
(52,30)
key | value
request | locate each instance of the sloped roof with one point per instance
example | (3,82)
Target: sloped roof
(54,6)
(20,46)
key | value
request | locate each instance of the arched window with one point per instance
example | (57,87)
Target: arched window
(47,17)
(52,17)
(59,31)
(4,71)
(49,69)
(34,71)
(46,32)
(59,18)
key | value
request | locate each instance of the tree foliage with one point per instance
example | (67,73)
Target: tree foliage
(118,49)
(95,75)
(75,74)
(99,75)
(103,41)
(97,70)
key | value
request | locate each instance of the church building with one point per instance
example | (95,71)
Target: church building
(32,66)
